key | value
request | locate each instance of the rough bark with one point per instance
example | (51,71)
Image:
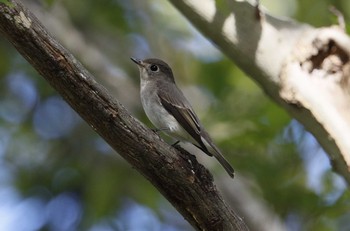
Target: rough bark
(175,173)
(304,69)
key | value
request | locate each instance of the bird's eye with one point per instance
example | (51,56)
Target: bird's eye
(154,68)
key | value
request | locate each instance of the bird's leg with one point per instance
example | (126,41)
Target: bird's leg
(174,144)
(157,130)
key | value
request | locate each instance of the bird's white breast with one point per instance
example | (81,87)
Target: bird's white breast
(157,114)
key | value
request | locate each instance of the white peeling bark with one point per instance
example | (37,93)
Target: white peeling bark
(304,69)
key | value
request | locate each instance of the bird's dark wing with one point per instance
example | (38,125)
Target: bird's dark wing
(177,105)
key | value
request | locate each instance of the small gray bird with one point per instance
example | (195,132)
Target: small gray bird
(169,110)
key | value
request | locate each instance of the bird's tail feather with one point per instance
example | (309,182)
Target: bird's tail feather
(218,155)
(227,166)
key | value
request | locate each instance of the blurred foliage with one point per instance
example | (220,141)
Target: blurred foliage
(53,163)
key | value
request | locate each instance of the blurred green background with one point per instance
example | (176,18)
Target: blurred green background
(57,174)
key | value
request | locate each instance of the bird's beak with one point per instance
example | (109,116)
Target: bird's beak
(137,61)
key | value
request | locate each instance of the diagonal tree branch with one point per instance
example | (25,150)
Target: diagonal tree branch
(304,69)
(177,175)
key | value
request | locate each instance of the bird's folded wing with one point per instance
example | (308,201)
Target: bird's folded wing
(178,106)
